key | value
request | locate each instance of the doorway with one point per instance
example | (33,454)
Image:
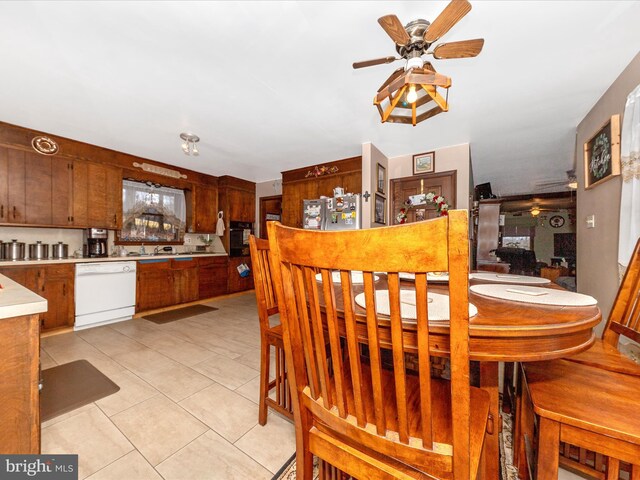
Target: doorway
(270,209)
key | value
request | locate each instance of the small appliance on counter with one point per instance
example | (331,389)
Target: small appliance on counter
(94,242)
(239,238)
(341,212)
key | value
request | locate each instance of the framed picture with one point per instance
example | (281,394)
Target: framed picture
(602,154)
(420,214)
(424,163)
(380,210)
(382,178)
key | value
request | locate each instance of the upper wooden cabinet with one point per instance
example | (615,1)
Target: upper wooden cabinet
(237,201)
(297,186)
(206,209)
(53,191)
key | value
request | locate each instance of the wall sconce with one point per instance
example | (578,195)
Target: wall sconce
(189,141)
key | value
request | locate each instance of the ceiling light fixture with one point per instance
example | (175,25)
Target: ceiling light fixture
(189,143)
(412,96)
(535,211)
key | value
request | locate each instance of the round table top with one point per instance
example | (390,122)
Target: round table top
(509,331)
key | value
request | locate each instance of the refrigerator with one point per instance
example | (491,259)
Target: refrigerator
(342,212)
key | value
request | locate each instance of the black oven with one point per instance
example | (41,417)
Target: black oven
(239,238)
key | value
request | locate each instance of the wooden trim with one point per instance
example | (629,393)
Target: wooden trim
(236,183)
(346,165)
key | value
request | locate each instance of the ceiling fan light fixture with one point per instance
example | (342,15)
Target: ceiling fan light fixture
(535,211)
(573,185)
(189,142)
(395,99)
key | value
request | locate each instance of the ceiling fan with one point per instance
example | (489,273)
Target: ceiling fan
(416,84)
(571,182)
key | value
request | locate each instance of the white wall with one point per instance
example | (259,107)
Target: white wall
(371,157)
(456,157)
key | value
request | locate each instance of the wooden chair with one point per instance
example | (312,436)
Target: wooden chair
(269,336)
(367,421)
(566,401)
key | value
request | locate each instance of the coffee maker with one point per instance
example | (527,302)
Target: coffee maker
(94,242)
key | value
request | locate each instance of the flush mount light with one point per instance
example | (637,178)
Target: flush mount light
(189,141)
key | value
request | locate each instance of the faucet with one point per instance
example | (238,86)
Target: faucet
(156,250)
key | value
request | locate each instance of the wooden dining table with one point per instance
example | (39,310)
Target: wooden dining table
(502,331)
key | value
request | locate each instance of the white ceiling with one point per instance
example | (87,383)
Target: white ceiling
(268,86)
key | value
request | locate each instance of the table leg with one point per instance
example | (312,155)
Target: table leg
(489,383)
(548,458)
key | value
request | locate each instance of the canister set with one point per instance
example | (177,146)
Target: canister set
(15,250)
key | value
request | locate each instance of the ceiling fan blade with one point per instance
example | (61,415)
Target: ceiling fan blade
(464,49)
(375,61)
(451,15)
(391,24)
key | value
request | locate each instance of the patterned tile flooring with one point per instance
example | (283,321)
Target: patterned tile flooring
(187,405)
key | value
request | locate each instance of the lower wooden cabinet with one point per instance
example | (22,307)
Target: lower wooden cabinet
(173,281)
(236,282)
(53,282)
(19,393)
(212,276)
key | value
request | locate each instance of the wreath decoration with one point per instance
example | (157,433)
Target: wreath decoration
(442,207)
(600,156)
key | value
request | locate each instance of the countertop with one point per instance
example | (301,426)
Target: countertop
(15,300)
(20,263)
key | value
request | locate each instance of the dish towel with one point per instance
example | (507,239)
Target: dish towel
(220,225)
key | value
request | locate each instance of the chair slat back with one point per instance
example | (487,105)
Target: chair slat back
(624,318)
(263,281)
(317,308)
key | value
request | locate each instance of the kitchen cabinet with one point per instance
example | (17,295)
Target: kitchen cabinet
(296,186)
(154,285)
(53,282)
(166,282)
(25,187)
(184,273)
(237,201)
(53,191)
(19,393)
(236,283)
(212,276)
(206,209)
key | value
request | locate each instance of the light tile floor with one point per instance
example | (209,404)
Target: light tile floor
(188,401)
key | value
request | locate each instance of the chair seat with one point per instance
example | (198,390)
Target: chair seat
(441,407)
(603,355)
(589,398)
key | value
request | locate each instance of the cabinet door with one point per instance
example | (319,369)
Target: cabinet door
(206,209)
(212,277)
(80,194)
(154,286)
(4,185)
(97,185)
(15,186)
(114,198)
(293,195)
(37,189)
(61,192)
(57,288)
(236,282)
(185,285)
(242,206)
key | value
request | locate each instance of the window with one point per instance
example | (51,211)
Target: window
(519,242)
(152,214)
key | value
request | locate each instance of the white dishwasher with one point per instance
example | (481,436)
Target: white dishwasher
(105,293)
